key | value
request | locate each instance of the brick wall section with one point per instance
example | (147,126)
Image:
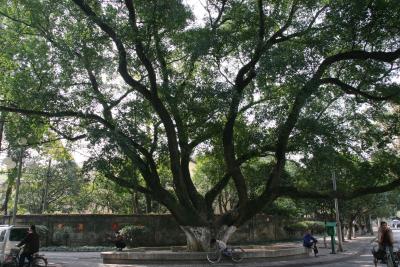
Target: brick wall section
(96,229)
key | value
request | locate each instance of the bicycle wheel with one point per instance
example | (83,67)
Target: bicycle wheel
(315,250)
(375,262)
(396,259)
(39,261)
(13,263)
(389,260)
(214,256)
(237,254)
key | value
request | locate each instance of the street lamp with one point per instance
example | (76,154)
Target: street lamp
(10,164)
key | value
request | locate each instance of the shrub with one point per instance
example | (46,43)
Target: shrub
(135,234)
(316,227)
(42,230)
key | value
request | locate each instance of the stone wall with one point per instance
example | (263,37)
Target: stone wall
(95,230)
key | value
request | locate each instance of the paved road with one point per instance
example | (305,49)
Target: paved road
(93,259)
(74,259)
(365,259)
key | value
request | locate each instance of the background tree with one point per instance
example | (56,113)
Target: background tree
(101,196)
(47,190)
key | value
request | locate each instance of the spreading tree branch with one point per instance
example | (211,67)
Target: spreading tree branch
(179,182)
(128,184)
(287,127)
(216,190)
(294,192)
(139,47)
(240,83)
(355,91)
(122,64)
(284,38)
(57,114)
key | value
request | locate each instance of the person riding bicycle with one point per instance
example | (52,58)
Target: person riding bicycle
(31,246)
(385,239)
(310,242)
(221,246)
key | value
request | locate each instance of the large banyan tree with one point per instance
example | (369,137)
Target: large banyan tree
(152,84)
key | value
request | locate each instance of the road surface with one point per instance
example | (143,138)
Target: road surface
(365,259)
(93,259)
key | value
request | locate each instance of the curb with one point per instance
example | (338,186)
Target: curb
(159,257)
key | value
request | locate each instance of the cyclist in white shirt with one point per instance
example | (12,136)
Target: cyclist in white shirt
(221,246)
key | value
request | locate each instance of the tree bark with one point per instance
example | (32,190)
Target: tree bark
(4,205)
(351,233)
(2,119)
(135,203)
(148,204)
(369,225)
(46,188)
(343,234)
(198,238)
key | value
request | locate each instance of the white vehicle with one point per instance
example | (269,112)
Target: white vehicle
(395,224)
(10,236)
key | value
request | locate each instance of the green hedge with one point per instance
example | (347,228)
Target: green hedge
(316,227)
(135,234)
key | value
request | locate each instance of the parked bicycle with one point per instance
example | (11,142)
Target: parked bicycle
(216,254)
(37,259)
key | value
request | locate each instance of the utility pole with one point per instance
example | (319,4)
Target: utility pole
(338,225)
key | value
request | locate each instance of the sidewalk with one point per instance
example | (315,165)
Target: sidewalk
(352,248)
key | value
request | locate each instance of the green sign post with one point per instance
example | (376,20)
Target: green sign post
(330,230)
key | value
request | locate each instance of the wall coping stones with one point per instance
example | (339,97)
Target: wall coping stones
(141,255)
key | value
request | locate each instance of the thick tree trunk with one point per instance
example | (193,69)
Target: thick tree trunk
(4,205)
(343,235)
(2,118)
(148,204)
(350,232)
(220,205)
(135,203)
(155,206)
(198,238)
(45,203)
(226,232)
(369,225)
(8,191)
